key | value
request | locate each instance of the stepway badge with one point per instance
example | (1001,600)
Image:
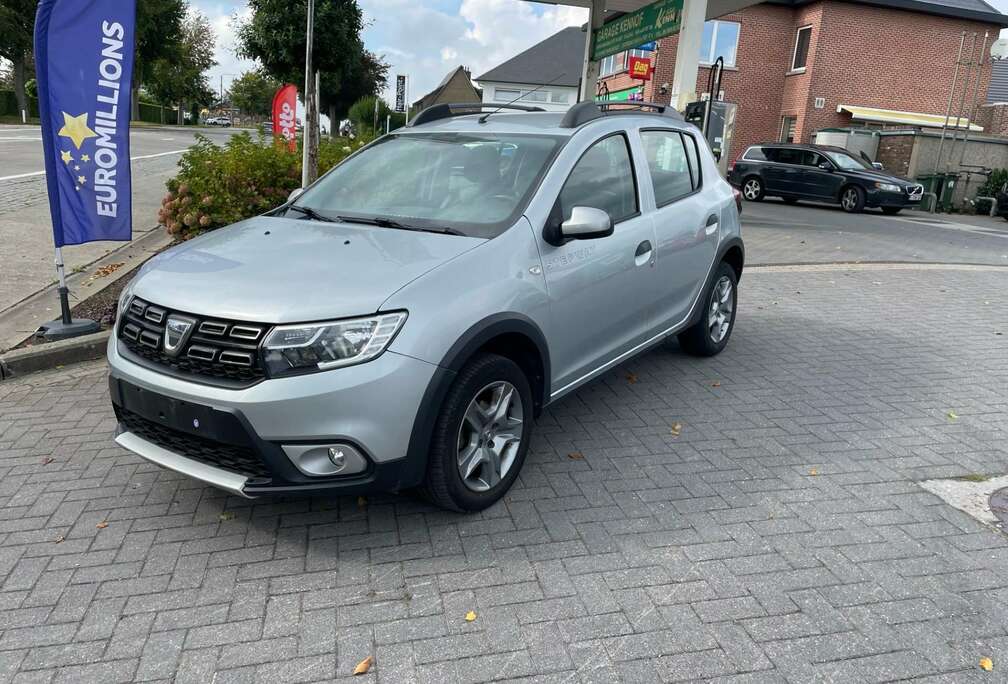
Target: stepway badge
(84,65)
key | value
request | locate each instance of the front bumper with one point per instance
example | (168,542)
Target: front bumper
(881,198)
(239,439)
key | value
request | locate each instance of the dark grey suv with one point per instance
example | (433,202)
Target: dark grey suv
(823,174)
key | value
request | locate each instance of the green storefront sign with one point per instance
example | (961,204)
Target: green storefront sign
(657,20)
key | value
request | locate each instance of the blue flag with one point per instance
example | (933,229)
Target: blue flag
(84,69)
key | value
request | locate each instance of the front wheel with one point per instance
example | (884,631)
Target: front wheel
(752,189)
(709,335)
(481,435)
(852,199)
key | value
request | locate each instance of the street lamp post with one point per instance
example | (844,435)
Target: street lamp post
(309,158)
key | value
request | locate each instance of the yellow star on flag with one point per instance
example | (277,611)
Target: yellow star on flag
(81,179)
(85,157)
(76,128)
(65,156)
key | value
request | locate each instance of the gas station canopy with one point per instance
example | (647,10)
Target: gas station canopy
(692,14)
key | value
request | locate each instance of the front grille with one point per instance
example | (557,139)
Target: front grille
(237,459)
(914,189)
(220,351)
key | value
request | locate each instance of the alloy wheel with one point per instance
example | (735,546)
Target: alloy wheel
(490,436)
(720,314)
(751,189)
(850,199)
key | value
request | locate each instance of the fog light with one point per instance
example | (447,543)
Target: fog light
(337,457)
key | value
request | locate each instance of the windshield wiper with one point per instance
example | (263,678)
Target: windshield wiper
(384,222)
(311,213)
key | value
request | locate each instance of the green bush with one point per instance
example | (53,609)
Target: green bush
(993,184)
(219,185)
(362,114)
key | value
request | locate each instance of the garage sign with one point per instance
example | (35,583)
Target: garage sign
(657,20)
(639,68)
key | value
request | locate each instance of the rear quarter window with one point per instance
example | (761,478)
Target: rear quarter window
(755,154)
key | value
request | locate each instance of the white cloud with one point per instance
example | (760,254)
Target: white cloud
(427,43)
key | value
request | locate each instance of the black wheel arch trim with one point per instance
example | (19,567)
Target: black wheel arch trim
(414,466)
(723,249)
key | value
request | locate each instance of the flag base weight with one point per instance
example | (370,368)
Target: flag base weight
(60,330)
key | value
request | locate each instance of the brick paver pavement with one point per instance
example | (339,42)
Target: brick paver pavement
(780,537)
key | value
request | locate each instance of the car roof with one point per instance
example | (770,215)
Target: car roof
(802,146)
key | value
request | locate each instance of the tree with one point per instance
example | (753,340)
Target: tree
(253,91)
(159,26)
(17,24)
(180,77)
(275,36)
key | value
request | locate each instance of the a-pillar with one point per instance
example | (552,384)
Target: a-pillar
(687,59)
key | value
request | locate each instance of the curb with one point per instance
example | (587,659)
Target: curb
(21,362)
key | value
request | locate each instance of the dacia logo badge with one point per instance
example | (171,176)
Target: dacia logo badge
(177,331)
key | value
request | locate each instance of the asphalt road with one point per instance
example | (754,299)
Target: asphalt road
(21,146)
(778,233)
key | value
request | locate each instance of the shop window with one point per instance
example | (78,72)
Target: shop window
(801,46)
(720,39)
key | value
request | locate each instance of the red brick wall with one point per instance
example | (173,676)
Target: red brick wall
(858,55)
(994,119)
(894,153)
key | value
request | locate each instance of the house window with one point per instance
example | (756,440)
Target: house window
(560,97)
(787,129)
(720,39)
(502,95)
(801,45)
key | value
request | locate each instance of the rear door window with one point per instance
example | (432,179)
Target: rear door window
(669,165)
(756,154)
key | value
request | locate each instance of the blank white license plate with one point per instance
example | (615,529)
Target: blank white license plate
(916,196)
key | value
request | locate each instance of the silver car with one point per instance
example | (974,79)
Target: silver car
(403,321)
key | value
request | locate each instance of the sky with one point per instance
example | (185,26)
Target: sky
(422,38)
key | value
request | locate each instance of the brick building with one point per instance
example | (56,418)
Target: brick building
(793,66)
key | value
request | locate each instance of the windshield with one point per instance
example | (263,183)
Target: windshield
(469,183)
(847,162)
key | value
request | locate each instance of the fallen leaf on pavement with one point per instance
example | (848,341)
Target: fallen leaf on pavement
(102,525)
(986,664)
(60,539)
(363,666)
(470,616)
(813,472)
(575,456)
(952,415)
(108,269)
(361,502)
(631,378)
(676,429)
(227,515)
(47,460)
(716,383)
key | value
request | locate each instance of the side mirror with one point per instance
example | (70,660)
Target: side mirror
(825,166)
(586,223)
(294,194)
(878,166)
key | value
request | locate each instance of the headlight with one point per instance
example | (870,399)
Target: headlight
(292,349)
(125,296)
(888,187)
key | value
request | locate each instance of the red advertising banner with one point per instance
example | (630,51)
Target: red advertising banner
(639,68)
(284,114)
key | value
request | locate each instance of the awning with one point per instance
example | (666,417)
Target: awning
(890,116)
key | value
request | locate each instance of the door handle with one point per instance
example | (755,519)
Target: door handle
(712,224)
(644,253)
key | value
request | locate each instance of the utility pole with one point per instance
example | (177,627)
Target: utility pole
(309,161)
(948,114)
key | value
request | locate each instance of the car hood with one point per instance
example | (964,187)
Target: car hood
(880,177)
(281,270)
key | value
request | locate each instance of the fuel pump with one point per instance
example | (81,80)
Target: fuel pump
(714,118)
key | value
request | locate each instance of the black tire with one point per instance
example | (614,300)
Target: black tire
(753,189)
(697,339)
(790,200)
(891,211)
(852,199)
(443,485)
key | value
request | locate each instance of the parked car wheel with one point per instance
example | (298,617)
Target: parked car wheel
(709,335)
(752,189)
(891,211)
(852,199)
(481,435)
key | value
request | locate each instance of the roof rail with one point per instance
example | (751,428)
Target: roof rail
(583,112)
(448,110)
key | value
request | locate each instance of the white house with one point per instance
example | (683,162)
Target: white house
(546,75)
